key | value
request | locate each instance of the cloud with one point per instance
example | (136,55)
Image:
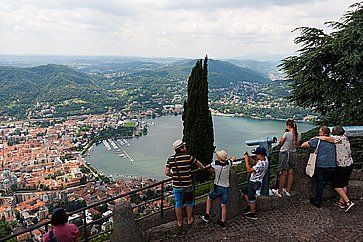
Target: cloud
(160,27)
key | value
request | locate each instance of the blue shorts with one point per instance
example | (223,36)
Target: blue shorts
(178,197)
(250,190)
(220,191)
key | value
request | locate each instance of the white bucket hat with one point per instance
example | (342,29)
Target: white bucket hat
(222,154)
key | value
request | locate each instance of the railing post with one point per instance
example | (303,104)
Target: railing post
(85,225)
(162,202)
(194,185)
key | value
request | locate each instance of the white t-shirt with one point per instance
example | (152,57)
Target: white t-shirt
(344,153)
(289,142)
(260,170)
(221,172)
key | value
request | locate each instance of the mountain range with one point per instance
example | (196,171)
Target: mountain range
(83,83)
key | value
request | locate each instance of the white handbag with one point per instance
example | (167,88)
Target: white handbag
(310,166)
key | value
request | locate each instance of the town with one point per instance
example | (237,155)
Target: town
(43,166)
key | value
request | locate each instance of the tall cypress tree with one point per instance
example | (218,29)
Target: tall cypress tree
(198,125)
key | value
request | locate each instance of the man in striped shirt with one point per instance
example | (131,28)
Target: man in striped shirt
(179,167)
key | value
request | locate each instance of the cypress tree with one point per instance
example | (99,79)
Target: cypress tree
(197,119)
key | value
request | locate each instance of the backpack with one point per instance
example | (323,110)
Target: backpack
(52,237)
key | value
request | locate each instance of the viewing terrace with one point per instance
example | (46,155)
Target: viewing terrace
(288,218)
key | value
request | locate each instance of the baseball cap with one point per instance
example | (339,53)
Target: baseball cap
(259,151)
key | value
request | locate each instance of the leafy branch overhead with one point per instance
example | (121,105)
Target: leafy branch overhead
(327,73)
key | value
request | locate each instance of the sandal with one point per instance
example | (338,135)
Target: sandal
(339,204)
(190,224)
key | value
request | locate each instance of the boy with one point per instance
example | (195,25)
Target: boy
(257,172)
(221,167)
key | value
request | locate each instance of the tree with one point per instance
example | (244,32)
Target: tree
(198,126)
(5,229)
(327,75)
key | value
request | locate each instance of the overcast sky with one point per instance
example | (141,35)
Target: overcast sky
(258,29)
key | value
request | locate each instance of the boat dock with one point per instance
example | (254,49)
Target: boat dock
(106,144)
(123,151)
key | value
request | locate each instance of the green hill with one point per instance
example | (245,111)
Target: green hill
(220,73)
(57,85)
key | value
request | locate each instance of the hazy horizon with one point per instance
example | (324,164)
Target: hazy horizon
(188,29)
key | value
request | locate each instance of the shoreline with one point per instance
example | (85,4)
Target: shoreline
(257,118)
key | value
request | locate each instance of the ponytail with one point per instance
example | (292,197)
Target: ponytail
(296,135)
(292,124)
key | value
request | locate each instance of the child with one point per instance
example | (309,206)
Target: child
(221,167)
(255,181)
(61,231)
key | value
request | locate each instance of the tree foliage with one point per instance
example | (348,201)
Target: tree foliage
(327,75)
(198,126)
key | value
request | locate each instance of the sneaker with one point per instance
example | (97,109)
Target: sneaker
(349,205)
(247,211)
(221,224)
(251,216)
(205,217)
(276,192)
(286,192)
(339,204)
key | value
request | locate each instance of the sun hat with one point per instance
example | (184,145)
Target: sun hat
(178,143)
(222,154)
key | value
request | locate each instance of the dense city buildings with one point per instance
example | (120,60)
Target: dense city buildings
(42,166)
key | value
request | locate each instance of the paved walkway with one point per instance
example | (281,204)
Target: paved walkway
(298,222)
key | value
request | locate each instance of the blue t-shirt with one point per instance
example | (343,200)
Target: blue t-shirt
(326,153)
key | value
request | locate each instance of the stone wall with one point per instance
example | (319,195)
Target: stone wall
(126,229)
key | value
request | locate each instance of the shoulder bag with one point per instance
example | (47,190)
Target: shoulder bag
(310,167)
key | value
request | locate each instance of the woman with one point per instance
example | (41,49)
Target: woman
(344,167)
(287,158)
(61,231)
(325,164)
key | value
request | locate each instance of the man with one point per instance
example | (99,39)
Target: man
(325,163)
(221,167)
(257,173)
(179,167)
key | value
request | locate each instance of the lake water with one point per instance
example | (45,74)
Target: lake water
(151,151)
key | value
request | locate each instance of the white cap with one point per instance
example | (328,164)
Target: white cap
(178,143)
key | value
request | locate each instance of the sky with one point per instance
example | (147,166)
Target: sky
(256,29)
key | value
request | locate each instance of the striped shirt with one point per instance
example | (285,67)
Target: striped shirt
(181,167)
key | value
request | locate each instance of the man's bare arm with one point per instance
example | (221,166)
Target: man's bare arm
(167,172)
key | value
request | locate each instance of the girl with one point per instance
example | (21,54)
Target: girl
(287,158)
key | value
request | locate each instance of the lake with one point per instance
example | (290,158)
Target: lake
(151,151)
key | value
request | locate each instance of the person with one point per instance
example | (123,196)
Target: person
(287,158)
(325,163)
(344,167)
(61,231)
(179,167)
(221,167)
(257,172)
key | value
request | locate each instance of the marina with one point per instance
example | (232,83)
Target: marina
(117,146)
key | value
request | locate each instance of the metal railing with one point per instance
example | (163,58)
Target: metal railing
(164,194)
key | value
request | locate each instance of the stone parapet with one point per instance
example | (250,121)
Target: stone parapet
(157,226)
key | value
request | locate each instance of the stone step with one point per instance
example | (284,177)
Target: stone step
(171,231)
(355,189)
